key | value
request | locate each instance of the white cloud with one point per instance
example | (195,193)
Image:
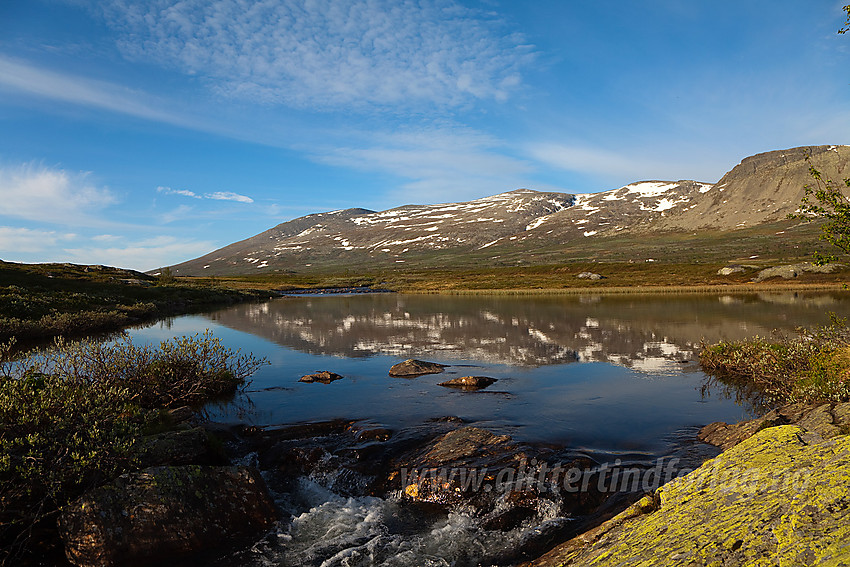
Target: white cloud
(142,255)
(38,193)
(14,240)
(183,192)
(228,196)
(105,238)
(326,53)
(215,196)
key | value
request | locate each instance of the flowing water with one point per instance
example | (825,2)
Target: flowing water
(605,377)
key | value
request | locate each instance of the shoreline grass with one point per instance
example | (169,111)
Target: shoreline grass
(640,290)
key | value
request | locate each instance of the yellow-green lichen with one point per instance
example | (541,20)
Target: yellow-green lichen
(774,499)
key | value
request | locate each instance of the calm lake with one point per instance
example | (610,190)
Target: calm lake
(607,377)
(609,373)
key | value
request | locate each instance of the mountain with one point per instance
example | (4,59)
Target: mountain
(762,189)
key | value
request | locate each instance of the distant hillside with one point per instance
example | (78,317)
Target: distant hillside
(761,191)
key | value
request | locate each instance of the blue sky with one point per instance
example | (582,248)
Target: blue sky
(141,134)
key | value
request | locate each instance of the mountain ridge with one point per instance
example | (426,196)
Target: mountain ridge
(761,189)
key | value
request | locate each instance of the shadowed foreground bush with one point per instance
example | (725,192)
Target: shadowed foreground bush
(71,416)
(812,366)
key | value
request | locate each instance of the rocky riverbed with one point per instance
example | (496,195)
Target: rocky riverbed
(446,492)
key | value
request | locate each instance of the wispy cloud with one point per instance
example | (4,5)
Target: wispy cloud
(439,164)
(322,54)
(215,196)
(25,77)
(182,192)
(606,164)
(176,214)
(38,193)
(228,196)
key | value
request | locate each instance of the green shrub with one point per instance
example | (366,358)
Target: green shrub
(59,436)
(814,365)
(181,371)
(71,415)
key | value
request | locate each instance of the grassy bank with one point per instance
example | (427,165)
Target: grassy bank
(619,277)
(811,366)
(44,300)
(72,417)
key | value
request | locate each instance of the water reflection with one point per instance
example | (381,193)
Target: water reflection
(653,333)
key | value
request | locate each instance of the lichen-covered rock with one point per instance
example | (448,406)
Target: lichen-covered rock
(469,382)
(412,367)
(793,270)
(779,498)
(590,276)
(729,270)
(163,513)
(324,376)
(827,420)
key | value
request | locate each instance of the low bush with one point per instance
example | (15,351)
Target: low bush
(181,371)
(71,415)
(813,365)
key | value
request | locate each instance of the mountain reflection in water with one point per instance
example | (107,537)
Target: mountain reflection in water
(650,333)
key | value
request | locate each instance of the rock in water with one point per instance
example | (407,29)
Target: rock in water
(163,513)
(467,448)
(324,376)
(778,498)
(469,382)
(413,367)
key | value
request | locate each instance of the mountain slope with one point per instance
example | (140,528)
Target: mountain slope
(386,235)
(761,189)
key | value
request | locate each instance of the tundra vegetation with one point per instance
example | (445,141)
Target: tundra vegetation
(72,417)
(45,300)
(811,366)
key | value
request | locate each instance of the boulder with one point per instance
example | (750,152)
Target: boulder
(729,270)
(778,498)
(590,276)
(470,383)
(826,420)
(412,367)
(163,513)
(179,447)
(434,472)
(504,482)
(793,270)
(323,376)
